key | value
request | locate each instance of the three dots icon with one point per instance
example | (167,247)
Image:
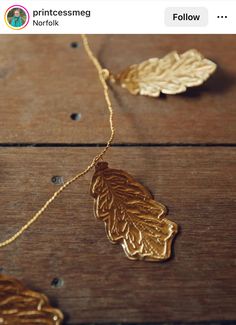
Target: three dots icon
(222,17)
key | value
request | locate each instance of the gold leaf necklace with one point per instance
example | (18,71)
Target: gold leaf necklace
(131,215)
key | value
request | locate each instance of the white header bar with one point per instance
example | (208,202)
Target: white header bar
(118,17)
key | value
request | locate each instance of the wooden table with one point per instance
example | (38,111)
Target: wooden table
(181,147)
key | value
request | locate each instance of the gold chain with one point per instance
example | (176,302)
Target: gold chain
(102,73)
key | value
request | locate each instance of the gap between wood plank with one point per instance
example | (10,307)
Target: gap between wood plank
(93,145)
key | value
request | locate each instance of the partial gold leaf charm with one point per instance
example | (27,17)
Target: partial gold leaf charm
(169,75)
(19,305)
(132,218)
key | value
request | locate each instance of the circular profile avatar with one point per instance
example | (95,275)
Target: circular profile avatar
(17,17)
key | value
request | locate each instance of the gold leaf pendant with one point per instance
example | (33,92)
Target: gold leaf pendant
(172,74)
(18,305)
(132,217)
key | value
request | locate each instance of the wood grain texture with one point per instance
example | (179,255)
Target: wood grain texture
(100,283)
(46,80)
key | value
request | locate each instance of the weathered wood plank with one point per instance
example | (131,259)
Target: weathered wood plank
(46,80)
(100,283)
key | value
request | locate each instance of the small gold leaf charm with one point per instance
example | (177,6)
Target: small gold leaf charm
(170,75)
(132,217)
(19,305)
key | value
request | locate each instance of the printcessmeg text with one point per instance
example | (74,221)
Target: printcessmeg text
(55,13)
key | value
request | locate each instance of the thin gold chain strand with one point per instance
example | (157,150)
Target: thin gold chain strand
(101,74)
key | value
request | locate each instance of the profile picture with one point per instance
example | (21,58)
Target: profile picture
(17,17)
